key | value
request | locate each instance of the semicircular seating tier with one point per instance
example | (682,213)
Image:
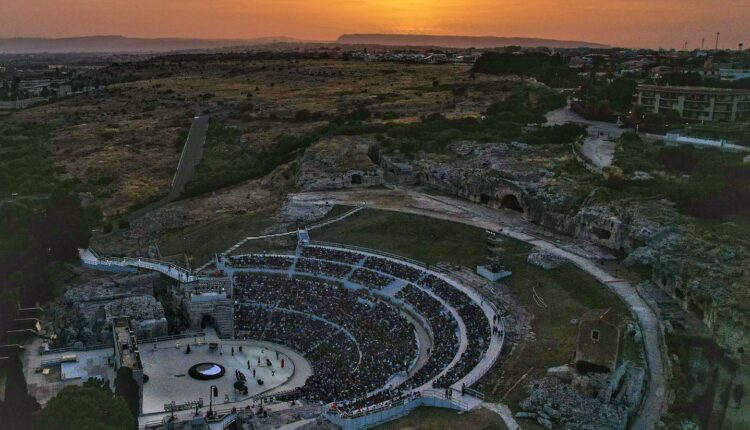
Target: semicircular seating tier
(353,314)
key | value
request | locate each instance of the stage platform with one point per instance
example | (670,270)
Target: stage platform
(167,364)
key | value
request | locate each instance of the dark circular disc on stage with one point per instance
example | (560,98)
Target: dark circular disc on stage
(206,371)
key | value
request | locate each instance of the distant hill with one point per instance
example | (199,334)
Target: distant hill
(460,41)
(109,44)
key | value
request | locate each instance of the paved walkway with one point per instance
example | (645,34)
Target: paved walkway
(319,224)
(461,211)
(504,413)
(598,146)
(189,159)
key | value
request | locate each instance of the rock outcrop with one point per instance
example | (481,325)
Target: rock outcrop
(544,259)
(339,162)
(84,313)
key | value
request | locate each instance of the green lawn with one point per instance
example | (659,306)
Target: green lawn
(445,419)
(200,242)
(425,239)
(568,293)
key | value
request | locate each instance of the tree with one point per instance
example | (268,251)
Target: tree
(16,410)
(84,408)
(127,388)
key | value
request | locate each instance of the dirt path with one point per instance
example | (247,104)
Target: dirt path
(512,225)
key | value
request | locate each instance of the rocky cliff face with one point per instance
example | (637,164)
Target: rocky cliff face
(339,162)
(85,311)
(705,274)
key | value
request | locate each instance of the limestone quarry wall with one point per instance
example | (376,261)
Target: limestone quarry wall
(695,281)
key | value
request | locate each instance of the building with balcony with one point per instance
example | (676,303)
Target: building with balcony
(695,103)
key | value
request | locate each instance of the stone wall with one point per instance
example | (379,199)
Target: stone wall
(218,308)
(84,313)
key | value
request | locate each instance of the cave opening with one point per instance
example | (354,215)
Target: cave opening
(511,202)
(601,233)
(356,179)
(208,321)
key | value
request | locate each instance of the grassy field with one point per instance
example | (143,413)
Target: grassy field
(567,291)
(200,242)
(444,419)
(424,239)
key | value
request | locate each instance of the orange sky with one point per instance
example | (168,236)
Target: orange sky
(651,23)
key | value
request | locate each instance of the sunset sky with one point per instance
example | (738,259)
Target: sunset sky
(632,23)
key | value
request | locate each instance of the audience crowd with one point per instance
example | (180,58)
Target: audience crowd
(478,329)
(384,341)
(263,261)
(332,255)
(393,268)
(320,267)
(380,400)
(444,330)
(370,279)
(360,343)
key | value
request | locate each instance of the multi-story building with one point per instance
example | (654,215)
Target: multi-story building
(732,74)
(695,103)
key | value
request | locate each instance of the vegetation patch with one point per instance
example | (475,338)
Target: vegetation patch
(504,120)
(706,183)
(445,419)
(549,69)
(26,164)
(226,162)
(200,242)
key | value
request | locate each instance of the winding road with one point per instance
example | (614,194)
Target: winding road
(599,145)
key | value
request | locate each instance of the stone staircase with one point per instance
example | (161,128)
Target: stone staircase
(224,318)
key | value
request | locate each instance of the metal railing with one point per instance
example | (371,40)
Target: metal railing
(109,345)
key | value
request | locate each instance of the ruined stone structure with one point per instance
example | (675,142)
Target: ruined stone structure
(339,162)
(208,303)
(86,311)
(146,312)
(599,341)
